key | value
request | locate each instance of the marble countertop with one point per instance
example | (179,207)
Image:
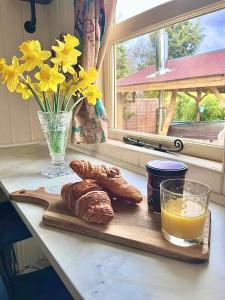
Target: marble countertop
(96,270)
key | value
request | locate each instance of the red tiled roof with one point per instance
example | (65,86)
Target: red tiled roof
(201,65)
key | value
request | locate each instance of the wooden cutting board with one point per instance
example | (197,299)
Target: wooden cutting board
(132,225)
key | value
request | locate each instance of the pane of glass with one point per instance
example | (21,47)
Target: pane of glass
(135,8)
(171,82)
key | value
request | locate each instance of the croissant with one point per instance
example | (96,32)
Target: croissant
(88,201)
(109,178)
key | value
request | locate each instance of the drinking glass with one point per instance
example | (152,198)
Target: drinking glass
(184,207)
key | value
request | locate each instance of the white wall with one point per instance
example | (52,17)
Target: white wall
(18,118)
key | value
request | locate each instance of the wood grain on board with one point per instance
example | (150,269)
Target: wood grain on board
(132,225)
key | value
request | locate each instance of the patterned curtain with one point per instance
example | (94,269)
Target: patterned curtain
(92,22)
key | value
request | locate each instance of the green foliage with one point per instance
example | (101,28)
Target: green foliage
(186,109)
(213,110)
(121,61)
(184,39)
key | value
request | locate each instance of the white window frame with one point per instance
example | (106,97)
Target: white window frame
(145,22)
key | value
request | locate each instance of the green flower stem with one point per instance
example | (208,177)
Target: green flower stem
(76,103)
(54,102)
(56,99)
(35,96)
(46,107)
(67,102)
(63,103)
(53,134)
(54,141)
(69,97)
(46,102)
(56,134)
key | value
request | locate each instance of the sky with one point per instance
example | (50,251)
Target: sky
(128,8)
(213,24)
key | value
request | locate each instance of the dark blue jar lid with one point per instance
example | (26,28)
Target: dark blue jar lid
(166,167)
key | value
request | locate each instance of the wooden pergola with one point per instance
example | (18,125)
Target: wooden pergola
(201,74)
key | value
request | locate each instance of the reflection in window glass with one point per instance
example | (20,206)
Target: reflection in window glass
(170,82)
(135,7)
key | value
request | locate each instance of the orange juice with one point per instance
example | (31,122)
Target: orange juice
(183,218)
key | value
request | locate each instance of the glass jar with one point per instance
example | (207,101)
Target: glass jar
(158,171)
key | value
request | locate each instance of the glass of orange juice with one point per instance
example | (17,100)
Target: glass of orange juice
(184,207)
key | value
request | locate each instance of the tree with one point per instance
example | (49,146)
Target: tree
(121,61)
(184,39)
(139,54)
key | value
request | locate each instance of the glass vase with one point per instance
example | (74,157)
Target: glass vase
(56,127)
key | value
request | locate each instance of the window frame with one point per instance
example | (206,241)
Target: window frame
(158,17)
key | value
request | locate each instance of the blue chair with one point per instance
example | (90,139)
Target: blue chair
(12,230)
(39,285)
(3,291)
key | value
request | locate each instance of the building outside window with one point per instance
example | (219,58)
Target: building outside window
(168,81)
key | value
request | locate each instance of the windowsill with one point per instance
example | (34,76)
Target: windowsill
(134,158)
(190,160)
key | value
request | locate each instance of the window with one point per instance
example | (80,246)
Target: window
(167,75)
(125,10)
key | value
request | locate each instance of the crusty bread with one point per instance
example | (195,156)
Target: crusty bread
(109,178)
(88,201)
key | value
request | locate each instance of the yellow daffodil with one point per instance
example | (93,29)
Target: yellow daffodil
(49,78)
(75,77)
(36,88)
(70,87)
(92,93)
(2,64)
(33,55)
(71,41)
(87,77)
(78,83)
(11,74)
(66,88)
(23,89)
(54,87)
(66,54)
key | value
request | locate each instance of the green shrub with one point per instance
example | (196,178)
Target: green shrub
(186,108)
(212,109)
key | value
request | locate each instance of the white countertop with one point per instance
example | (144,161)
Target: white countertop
(96,270)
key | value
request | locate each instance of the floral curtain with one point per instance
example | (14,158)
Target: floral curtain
(92,22)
